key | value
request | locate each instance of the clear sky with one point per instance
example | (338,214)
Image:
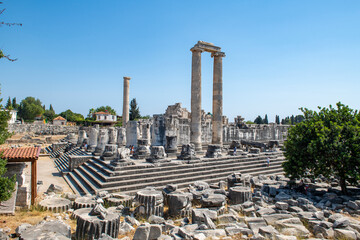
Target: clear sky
(280,55)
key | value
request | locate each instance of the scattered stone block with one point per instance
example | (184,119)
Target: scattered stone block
(344,234)
(341,223)
(142,232)
(47,230)
(55,204)
(238,195)
(282,205)
(55,189)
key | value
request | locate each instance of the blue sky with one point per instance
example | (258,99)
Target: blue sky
(280,55)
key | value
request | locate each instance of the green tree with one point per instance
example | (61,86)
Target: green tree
(134,110)
(14,104)
(258,120)
(277,119)
(266,120)
(106,109)
(91,115)
(7,185)
(326,142)
(71,116)
(49,114)
(51,108)
(9,104)
(30,108)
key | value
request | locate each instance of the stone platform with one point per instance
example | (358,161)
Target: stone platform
(98,175)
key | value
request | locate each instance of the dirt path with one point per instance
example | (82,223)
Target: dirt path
(48,174)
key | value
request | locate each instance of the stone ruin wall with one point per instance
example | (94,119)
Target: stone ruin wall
(42,129)
(176,121)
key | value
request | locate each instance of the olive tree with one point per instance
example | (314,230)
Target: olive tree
(326,142)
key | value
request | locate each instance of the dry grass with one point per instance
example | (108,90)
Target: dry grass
(32,217)
(129,235)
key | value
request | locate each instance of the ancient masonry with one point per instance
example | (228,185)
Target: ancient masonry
(175,147)
(196,94)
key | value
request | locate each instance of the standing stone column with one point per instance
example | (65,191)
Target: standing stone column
(217,130)
(195,128)
(126,103)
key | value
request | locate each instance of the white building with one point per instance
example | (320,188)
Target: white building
(13,115)
(105,117)
(59,121)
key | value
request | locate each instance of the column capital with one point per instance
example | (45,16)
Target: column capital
(127,78)
(196,49)
(218,54)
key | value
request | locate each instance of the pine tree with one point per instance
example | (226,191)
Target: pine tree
(292,120)
(9,104)
(258,120)
(14,104)
(266,120)
(277,119)
(134,110)
(51,108)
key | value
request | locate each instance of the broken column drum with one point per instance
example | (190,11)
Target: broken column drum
(145,131)
(82,137)
(157,154)
(171,144)
(188,152)
(93,222)
(213,151)
(179,204)
(110,152)
(143,149)
(112,135)
(93,136)
(150,202)
(239,195)
(195,136)
(103,139)
(121,137)
(123,158)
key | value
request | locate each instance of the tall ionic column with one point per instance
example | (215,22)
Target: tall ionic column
(195,128)
(217,130)
(125,117)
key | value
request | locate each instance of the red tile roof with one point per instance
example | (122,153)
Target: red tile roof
(105,113)
(20,154)
(60,118)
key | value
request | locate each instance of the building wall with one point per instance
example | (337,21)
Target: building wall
(42,129)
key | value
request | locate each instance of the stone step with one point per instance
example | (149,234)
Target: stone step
(168,167)
(79,183)
(142,179)
(89,182)
(178,169)
(185,182)
(96,175)
(73,185)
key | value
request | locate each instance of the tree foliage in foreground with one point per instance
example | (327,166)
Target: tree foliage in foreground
(326,142)
(7,185)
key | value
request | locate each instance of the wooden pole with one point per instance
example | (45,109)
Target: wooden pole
(33,181)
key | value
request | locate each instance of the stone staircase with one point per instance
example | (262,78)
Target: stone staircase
(62,163)
(98,175)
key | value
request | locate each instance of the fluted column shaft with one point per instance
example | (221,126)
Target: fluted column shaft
(217,129)
(195,128)
(126,103)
